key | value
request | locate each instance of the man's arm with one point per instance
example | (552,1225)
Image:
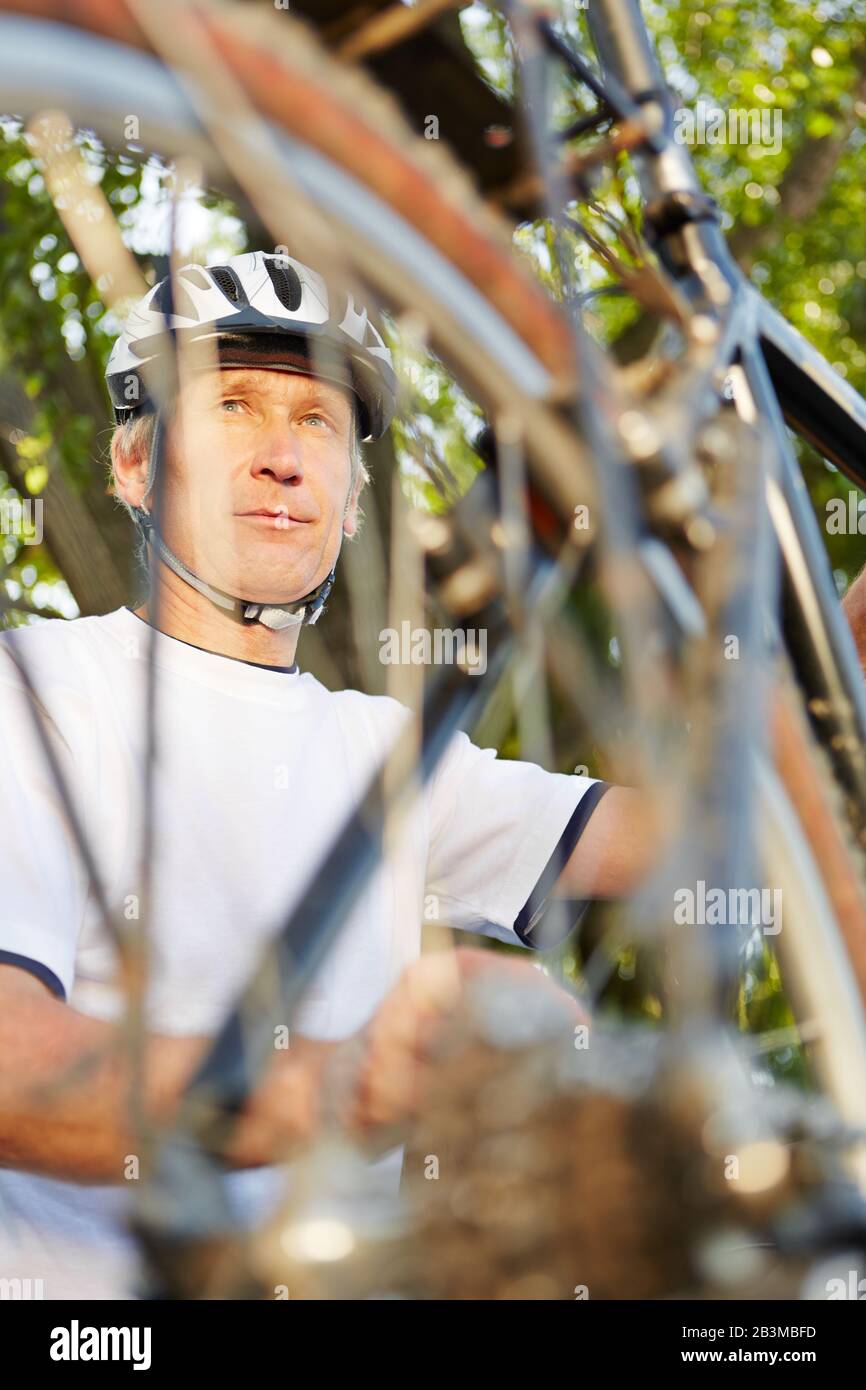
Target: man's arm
(64,1086)
(64,1089)
(854,608)
(623,839)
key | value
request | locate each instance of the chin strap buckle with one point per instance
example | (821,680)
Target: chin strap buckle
(274,618)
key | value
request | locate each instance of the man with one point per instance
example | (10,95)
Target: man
(256,767)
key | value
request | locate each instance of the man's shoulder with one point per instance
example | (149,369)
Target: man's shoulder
(385,719)
(60,650)
(377,709)
(380,717)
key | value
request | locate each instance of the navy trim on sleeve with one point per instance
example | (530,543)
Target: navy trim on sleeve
(35,967)
(530,916)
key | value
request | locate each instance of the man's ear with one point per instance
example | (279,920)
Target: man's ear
(129,466)
(350,516)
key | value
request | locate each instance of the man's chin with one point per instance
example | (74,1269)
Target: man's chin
(276,577)
(272,586)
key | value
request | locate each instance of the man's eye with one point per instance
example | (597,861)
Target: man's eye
(229,400)
(314,415)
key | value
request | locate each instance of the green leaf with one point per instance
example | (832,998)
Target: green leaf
(36,478)
(31,447)
(818,124)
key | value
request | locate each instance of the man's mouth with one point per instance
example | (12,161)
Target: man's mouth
(279,518)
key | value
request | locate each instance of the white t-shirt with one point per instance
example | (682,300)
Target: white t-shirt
(256,770)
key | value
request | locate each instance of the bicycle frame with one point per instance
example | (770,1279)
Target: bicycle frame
(784,382)
(789,380)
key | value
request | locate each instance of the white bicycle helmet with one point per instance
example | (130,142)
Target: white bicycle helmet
(256,306)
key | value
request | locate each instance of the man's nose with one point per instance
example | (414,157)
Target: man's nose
(279,456)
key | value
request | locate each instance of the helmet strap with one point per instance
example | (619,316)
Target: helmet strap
(274,616)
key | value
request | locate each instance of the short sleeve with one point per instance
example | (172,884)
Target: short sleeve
(43,881)
(500,833)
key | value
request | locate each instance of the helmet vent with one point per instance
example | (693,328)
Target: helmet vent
(287,284)
(178,302)
(196,278)
(227,281)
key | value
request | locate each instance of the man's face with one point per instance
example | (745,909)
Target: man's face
(257,492)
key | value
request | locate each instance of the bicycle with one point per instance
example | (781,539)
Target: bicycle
(693,494)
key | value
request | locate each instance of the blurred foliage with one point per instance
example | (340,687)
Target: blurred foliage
(55,327)
(804,61)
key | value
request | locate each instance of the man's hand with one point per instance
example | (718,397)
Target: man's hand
(395,1062)
(65,1077)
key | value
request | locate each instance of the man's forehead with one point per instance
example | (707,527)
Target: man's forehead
(273,379)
